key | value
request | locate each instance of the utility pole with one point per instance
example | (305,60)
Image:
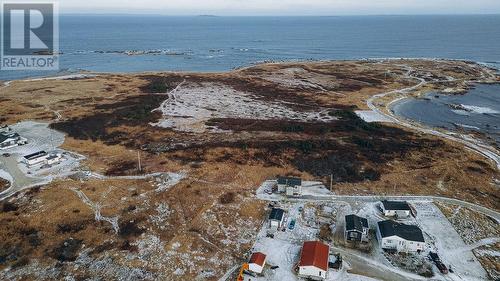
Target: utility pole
(52,146)
(139,160)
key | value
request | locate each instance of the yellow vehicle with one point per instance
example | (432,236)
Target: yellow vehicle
(242,270)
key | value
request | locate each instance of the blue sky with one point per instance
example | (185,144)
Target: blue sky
(282,7)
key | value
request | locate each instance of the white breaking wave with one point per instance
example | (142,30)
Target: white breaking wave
(468,126)
(461,112)
(479,109)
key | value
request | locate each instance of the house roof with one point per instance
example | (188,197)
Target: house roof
(396,205)
(4,137)
(276,214)
(353,222)
(258,258)
(53,156)
(289,181)
(35,155)
(315,253)
(390,228)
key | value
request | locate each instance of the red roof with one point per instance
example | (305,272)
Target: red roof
(258,258)
(316,254)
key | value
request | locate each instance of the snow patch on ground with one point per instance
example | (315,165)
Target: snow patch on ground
(160,219)
(189,107)
(167,180)
(6,176)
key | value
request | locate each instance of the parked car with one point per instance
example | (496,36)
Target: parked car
(434,256)
(268,191)
(442,268)
(6,155)
(292,225)
(301,209)
(439,264)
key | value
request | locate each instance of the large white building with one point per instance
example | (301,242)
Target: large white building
(399,209)
(291,186)
(400,237)
(314,259)
(36,158)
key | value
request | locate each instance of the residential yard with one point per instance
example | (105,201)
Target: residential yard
(324,220)
(283,250)
(479,232)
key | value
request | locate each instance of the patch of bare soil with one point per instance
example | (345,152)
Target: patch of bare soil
(4,184)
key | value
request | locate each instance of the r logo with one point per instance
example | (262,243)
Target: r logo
(28,28)
(29,31)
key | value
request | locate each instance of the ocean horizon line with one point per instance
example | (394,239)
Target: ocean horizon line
(270,15)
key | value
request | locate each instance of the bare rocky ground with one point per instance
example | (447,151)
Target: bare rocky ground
(4,184)
(293,119)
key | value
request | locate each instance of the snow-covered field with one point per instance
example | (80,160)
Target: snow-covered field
(448,243)
(188,107)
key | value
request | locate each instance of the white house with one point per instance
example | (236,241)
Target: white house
(276,218)
(356,229)
(36,158)
(54,158)
(400,237)
(257,262)
(294,191)
(313,262)
(11,140)
(399,209)
(291,186)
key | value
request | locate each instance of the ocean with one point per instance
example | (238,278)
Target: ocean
(477,110)
(132,43)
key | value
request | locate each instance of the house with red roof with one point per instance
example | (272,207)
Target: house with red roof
(314,260)
(257,262)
